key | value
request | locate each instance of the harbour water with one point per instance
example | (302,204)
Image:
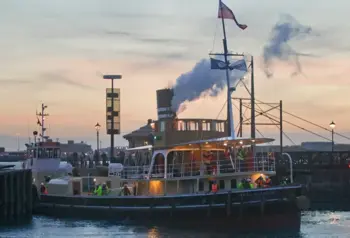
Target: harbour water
(314,224)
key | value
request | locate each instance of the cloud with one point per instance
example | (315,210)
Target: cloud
(14,82)
(45,79)
(60,77)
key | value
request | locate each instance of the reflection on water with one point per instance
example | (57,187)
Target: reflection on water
(314,224)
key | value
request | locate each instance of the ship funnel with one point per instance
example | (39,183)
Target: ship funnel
(164,107)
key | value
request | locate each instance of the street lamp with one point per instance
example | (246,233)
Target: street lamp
(97,127)
(332,126)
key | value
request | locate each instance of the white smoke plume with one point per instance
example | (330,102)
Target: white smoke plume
(201,81)
(282,33)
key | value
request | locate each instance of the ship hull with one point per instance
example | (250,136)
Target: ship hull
(226,211)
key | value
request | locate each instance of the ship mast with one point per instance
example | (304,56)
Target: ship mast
(230,89)
(230,123)
(41,121)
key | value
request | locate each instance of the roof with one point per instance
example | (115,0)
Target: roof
(143,131)
(220,143)
(145,147)
(75,147)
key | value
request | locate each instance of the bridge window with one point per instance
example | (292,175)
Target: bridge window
(220,126)
(181,126)
(192,126)
(56,153)
(205,126)
(162,126)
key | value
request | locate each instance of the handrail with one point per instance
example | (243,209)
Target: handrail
(291,165)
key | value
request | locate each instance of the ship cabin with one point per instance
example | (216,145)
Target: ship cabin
(192,167)
(43,158)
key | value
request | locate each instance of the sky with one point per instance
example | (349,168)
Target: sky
(54,52)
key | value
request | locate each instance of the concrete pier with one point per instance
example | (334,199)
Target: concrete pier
(15,196)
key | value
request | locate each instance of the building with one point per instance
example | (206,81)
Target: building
(70,148)
(142,136)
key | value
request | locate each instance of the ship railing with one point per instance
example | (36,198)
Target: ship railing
(135,172)
(201,168)
(221,167)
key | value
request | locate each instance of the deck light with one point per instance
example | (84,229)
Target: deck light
(241,142)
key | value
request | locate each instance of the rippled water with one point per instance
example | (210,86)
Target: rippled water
(314,224)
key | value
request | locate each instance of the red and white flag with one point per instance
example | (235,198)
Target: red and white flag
(226,13)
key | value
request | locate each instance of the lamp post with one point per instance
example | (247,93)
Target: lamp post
(112,77)
(17,134)
(332,126)
(97,127)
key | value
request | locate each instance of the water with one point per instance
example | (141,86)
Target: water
(314,224)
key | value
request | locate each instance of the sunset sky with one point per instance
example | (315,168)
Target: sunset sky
(55,51)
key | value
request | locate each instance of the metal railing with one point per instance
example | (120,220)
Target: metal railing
(201,168)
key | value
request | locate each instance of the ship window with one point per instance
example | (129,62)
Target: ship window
(193,126)
(162,126)
(206,126)
(201,186)
(222,184)
(220,127)
(181,126)
(233,183)
(56,153)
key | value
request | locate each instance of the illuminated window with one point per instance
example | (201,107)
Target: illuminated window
(220,126)
(162,126)
(181,126)
(192,126)
(206,126)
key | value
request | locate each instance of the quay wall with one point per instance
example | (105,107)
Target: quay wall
(326,176)
(15,196)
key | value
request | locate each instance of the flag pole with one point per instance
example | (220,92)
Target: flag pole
(230,123)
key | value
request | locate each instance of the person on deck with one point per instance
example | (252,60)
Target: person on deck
(250,184)
(105,189)
(214,187)
(43,188)
(125,191)
(98,190)
(268,182)
(245,184)
(260,182)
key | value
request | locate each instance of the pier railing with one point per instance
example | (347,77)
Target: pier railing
(200,168)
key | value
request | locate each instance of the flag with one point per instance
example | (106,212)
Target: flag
(217,64)
(239,65)
(226,13)
(38,122)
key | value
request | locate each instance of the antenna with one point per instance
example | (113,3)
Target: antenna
(41,121)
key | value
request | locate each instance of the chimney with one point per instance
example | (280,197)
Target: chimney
(164,107)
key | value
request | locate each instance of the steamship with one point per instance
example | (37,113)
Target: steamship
(170,181)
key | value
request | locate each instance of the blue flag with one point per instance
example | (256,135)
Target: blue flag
(217,64)
(239,65)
